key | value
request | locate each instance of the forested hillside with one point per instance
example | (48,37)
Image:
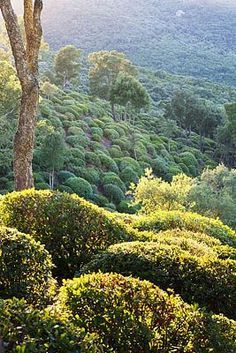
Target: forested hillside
(191,37)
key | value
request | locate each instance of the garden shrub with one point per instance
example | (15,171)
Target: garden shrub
(131,163)
(41,186)
(64,175)
(108,164)
(112,178)
(93,159)
(97,131)
(25,267)
(80,186)
(113,193)
(71,228)
(115,152)
(128,175)
(130,315)
(90,174)
(209,281)
(75,131)
(111,134)
(100,200)
(193,242)
(78,140)
(30,330)
(165,220)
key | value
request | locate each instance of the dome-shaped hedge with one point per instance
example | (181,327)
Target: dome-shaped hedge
(129,315)
(25,267)
(207,280)
(71,228)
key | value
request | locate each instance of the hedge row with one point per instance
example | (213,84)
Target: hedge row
(207,280)
(71,228)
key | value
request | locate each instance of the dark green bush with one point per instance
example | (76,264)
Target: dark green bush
(112,178)
(80,186)
(108,164)
(64,175)
(128,175)
(209,281)
(24,329)
(25,267)
(71,229)
(165,220)
(113,193)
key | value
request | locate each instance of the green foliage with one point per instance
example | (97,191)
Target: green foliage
(71,229)
(25,268)
(66,64)
(154,194)
(113,193)
(214,195)
(80,186)
(126,312)
(209,281)
(164,220)
(105,66)
(26,329)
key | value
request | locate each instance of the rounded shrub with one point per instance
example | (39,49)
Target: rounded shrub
(64,175)
(25,267)
(209,281)
(112,178)
(165,220)
(113,193)
(71,228)
(131,315)
(30,330)
(108,164)
(90,174)
(128,175)
(111,134)
(80,186)
(92,159)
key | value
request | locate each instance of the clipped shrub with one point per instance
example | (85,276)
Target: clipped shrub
(209,281)
(130,315)
(42,186)
(111,134)
(93,159)
(27,329)
(64,175)
(131,163)
(71,228)
(100,200)
(128,175)
(25,267)
(108,164)
(165,220)
(90,174)
(80,186)
(112,178)
(113,193)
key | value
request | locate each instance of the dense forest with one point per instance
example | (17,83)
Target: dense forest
(117,177)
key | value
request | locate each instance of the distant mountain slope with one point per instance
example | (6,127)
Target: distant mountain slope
(186,37)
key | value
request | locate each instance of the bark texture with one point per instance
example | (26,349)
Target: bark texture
(26,61)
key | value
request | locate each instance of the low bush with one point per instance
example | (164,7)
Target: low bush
(25,267)
(71,228)
(209,281)
(130,315)
(80,186)
(113,193)
(165,220)
(112,178)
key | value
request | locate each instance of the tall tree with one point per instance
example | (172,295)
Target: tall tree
(26,61)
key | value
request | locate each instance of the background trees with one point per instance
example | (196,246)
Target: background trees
(67,64)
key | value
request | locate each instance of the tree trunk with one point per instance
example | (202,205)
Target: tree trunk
(24,138)
(26,61)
